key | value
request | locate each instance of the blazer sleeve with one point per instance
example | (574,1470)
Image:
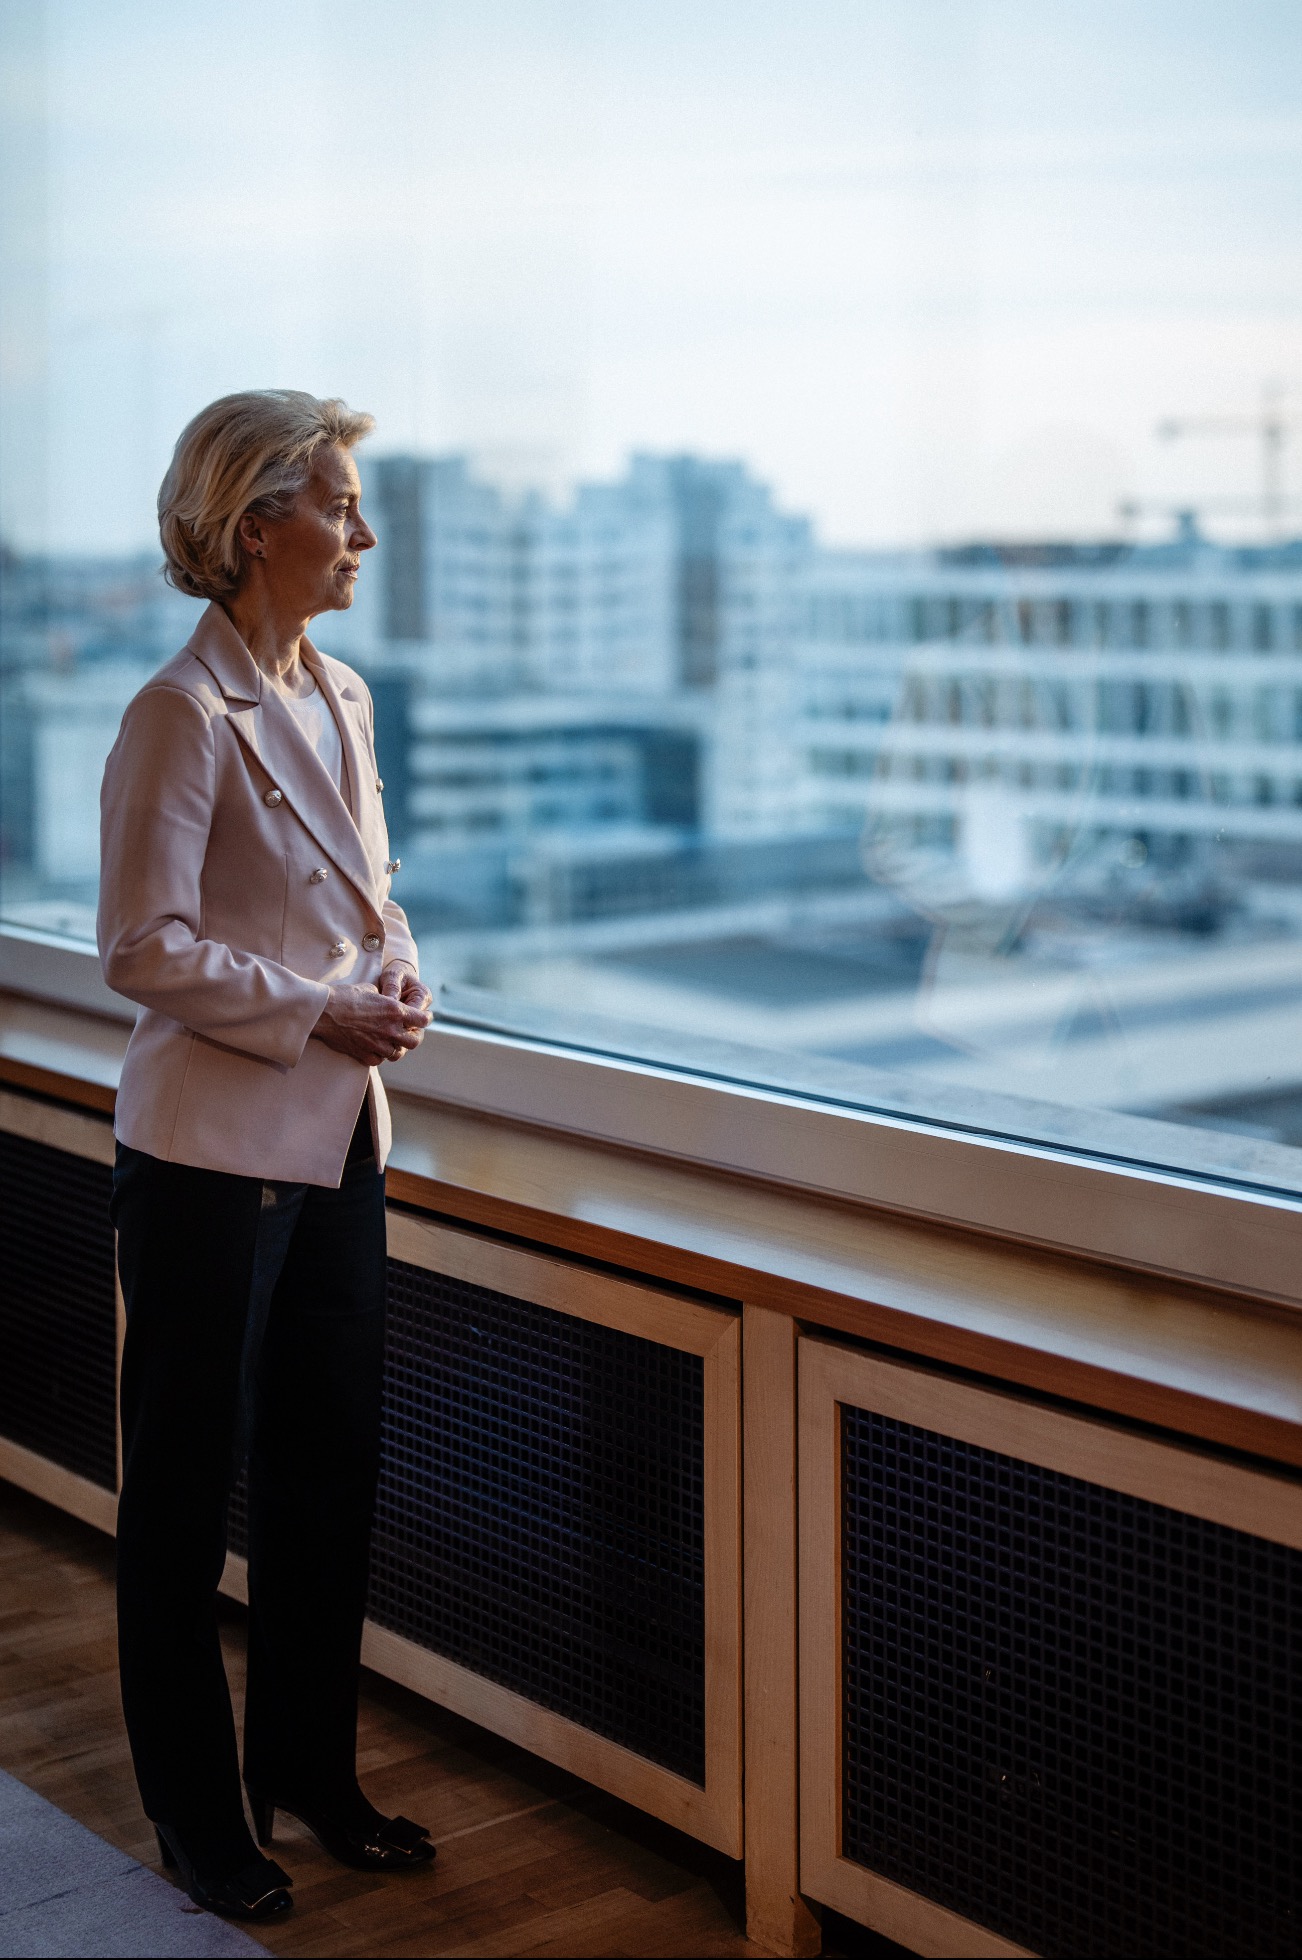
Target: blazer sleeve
(399,943)
(156,811)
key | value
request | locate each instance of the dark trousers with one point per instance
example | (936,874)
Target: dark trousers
(255,1318)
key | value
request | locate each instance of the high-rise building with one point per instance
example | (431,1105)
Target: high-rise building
(736,560)
(488,593)
(441,582)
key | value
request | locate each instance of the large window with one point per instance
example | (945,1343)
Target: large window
(840,579)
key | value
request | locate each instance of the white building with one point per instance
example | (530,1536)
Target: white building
(595,585)
(737,564)
(1013,711)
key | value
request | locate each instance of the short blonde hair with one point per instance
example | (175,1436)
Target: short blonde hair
(247,452)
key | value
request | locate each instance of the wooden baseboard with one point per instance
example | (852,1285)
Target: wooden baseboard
(594,1758)
(64,1488)
(906,1917)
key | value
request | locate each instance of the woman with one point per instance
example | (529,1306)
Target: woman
(244,903)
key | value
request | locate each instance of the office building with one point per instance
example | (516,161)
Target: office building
(1013,712)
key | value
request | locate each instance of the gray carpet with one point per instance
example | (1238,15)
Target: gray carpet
(65,1892)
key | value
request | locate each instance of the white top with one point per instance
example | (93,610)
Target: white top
(312,713)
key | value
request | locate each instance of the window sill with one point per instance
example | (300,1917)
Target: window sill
(1184,1224)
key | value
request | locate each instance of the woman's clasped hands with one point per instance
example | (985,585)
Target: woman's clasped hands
(377,1024)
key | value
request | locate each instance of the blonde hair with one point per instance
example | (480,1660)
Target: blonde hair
(247,452)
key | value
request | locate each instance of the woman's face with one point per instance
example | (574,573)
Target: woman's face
(311,557)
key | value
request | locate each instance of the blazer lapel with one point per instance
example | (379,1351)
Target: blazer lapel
(267,728)
(222,651)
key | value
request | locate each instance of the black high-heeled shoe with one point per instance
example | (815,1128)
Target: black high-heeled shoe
(393,1844)
(257,1890)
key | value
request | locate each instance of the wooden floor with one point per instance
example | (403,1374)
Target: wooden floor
(530,1862)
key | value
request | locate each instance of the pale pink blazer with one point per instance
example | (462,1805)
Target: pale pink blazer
(236,883)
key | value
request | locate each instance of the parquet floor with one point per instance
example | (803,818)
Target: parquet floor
(531,1861)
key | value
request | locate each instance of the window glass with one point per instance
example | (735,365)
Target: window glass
(839,591)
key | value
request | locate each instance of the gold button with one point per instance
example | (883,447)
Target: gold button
(338,950)
(319,876)
(379,784)
(372,942)
(272,797)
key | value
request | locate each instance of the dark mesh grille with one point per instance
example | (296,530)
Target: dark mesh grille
(58,1312)
(541,1517)
(1071,1715)
(541,1510)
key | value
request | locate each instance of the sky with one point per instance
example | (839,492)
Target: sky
(936,269)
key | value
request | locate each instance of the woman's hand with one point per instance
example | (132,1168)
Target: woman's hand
(376,1024)
(399,982)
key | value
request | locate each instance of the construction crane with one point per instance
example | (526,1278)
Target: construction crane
(1270,425)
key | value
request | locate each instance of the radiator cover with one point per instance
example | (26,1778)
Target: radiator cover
(1071,1715)
(541,1513)
(58,1308)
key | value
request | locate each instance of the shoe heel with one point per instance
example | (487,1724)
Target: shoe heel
(165,1851)
(264,1818)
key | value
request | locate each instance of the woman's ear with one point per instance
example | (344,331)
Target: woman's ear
(251,533)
